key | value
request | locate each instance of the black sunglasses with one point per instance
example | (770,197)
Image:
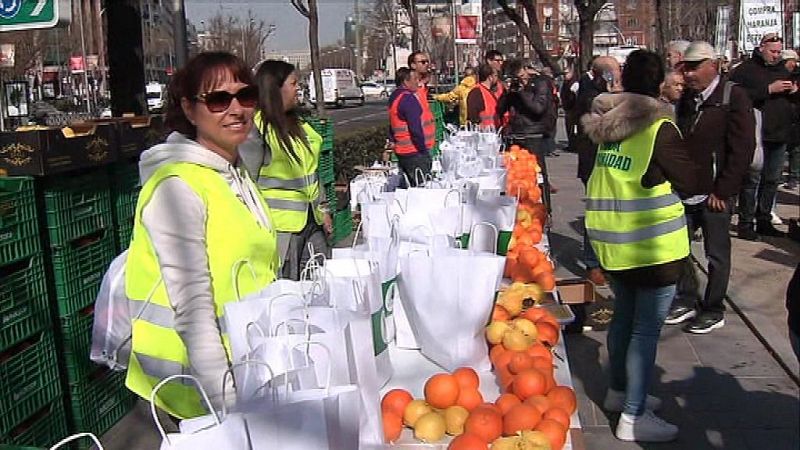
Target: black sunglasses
(219,101)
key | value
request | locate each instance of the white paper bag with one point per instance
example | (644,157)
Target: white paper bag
(435,288)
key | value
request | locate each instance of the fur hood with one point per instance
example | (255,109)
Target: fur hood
(614,117)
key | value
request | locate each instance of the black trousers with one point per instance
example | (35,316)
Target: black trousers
(717,245)
(412,165)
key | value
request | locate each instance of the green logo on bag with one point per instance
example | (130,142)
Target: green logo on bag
(382,321)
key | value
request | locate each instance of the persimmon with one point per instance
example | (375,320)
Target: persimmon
(392,426)
(468,441)
(548,334)
(484,423)
(541,402)
(469,398)
(520,418)
(563,397)
(544,365)
(506,401)
(395,401)
(495,353)
(467,378)
(539,350)
(500,314)
(520,361)
(556,433)
(527,383)
(441,390)
(559,415)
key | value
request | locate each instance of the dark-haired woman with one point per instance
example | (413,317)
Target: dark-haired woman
(287,174)
(202,236)
(636,225)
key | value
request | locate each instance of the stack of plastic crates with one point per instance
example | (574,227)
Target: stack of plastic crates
(437,109)
(82,238)
(125,187)
(31,408)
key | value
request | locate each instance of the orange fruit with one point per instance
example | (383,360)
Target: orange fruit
(392,426)
(547,281)
(549,319)
(559,415)
(491,407)
(564,398)
(556,433)
(520,418)
(441,390)
(484,423)
(539,350)
(543,365)
(533,314)
(501,363)
(541,402)
(500,314)
(506,401)
(527,383)
(495,353)
(467,378)
(469,398)
(468,441)
(547,333)
(395,401)
(520,361)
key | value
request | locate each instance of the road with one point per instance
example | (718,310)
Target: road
(352,117)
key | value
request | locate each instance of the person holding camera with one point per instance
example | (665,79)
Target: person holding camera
(533,113)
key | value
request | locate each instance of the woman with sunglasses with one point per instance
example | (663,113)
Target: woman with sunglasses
(202,237)
(287,174)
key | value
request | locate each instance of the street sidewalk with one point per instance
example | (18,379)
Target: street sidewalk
(724,390)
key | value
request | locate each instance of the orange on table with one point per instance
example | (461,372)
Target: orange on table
(548,334)
(529,382)
(520,418)
(468,441)
(469,398)
(392,426)
(547,281)
(564,398)
(495,352)
(441,390)
(543,365)
(534,314)
(556,433)
(484,423)
(520,361)
(395,401)
(491,407)
(501,362)
(506,401)
(541,402)
(504,379)
(500,314)
(539,350)
(559,415)
(467,377)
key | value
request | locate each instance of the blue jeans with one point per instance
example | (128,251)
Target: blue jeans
(639,314)
(759,188)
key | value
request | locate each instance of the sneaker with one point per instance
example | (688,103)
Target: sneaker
(679,314)
(705,323)
(767,229)
(645,428)
(615,401)
(776,219)
(747,233)
(596,276)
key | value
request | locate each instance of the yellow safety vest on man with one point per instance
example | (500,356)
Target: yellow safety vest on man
(291,187)
(631,226)
(233,237)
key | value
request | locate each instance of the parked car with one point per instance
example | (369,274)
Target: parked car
(338,85)
(372,89)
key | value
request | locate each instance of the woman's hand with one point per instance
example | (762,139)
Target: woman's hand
(327,223)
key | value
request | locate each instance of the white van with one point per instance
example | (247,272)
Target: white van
(156,94)
(338,86)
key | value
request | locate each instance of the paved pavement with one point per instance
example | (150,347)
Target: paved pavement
(725,390)
(354,117)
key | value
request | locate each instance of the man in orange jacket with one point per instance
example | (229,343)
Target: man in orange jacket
(412,142)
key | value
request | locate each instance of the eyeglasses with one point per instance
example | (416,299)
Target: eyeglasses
(220,101)
(422,61)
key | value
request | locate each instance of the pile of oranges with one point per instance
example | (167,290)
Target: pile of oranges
(525,263)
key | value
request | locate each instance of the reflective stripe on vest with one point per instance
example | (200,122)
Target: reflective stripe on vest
(156,348)
(428,121)
(630,226)
(488,117)
(288,186)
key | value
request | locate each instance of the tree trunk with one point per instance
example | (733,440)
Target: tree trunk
(586,36)
(313,39)
(661,43)
(531,32)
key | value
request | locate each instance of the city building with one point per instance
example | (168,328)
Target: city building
(299,58)
(636,22)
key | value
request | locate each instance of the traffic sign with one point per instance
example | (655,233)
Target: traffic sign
(33,14)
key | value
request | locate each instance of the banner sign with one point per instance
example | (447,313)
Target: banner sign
(468,22)
(757,18)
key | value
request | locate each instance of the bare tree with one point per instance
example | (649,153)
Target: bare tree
(411,9)
(244,37)
(308,8)
(531,32)
(29,49)
(587,10)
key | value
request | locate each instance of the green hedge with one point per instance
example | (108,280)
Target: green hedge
(359,147)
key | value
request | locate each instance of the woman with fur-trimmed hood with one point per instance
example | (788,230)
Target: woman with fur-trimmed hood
(636,224)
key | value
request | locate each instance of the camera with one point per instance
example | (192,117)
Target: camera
(514,84)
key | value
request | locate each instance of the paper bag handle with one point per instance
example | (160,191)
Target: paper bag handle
(246,363)
(75,437)
(158,387)
(308,345)
(235,275)
(492,227)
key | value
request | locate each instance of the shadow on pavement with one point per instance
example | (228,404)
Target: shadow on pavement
(568,251)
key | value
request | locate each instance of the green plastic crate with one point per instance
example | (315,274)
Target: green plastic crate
(78,269)
(77,206)
(342,225)
(19,234)
(125,188)
(325,168)
(99,401)
(23,300)
(28,379)
(43,429)
(330,194)
(77,333)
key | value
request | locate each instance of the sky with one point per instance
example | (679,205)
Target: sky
(292,28)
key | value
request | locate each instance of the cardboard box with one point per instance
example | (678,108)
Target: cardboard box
(136,133)
(576,291)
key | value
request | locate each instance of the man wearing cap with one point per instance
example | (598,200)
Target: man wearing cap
(721,140)
(771,89)
(793,149)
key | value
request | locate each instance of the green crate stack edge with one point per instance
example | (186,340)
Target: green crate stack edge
(96,397)
(31,408)
(342,218)
(437,109)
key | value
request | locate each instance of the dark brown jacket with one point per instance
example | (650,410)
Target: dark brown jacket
(719,136)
